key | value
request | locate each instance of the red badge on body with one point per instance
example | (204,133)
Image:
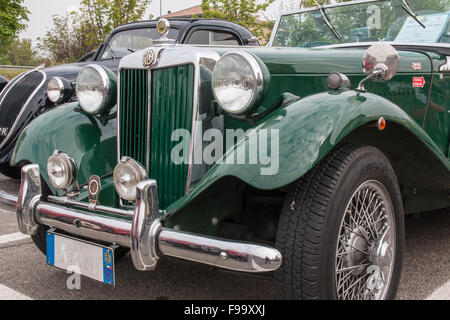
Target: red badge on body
(418,82)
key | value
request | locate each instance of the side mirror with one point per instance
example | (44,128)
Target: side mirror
(380,64)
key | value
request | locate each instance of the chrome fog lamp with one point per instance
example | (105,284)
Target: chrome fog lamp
(59,88)
(62,170)
(127,175)
(239,81)
(96,89)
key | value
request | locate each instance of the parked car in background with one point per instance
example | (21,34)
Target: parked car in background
(301,159)
(25,98)
(88,57)
(3,83)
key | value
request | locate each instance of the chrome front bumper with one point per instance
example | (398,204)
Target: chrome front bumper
(147,239)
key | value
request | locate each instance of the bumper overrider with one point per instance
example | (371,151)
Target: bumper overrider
(147,239)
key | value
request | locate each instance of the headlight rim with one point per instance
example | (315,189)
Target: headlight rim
(106,82)
(61,89)
(142,175)
(71,170)
(259,86)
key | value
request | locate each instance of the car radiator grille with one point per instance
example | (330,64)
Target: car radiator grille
(171,107)
(13,99)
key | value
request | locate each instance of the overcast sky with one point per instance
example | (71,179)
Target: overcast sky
(43,10)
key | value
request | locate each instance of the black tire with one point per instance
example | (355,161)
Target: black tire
(40,239)
(10,172)
(310,223)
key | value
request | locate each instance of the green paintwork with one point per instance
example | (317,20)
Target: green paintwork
(309,128)
(91,143)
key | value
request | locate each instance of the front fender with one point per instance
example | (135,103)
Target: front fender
(90,141)
(308,130)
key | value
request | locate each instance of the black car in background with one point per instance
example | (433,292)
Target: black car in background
(25,97)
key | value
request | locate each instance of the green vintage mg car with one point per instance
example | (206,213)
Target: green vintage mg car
(298,160)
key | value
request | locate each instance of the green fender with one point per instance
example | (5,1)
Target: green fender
(89,140)
(308,130)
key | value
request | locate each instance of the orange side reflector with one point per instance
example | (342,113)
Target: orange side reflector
(381,124)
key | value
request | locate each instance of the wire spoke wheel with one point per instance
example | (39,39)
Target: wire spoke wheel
(366,245)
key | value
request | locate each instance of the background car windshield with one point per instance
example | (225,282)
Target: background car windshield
(126,42)
(367,22)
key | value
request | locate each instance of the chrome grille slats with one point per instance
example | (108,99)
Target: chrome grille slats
(171,92)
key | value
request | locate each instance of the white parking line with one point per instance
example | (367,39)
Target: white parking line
(6,212)
(12,237)
(9,294)
(443,293)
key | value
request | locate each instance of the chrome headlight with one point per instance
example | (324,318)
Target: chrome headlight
(59,88)
(238,81)
(96,89)
(127,175)
(62,170)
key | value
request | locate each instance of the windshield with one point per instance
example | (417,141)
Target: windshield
(366,22)
(129,41)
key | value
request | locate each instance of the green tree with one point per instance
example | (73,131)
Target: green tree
(66,41)
(101,17)
(77,33)
(20,52)
(244,12)
(13,17)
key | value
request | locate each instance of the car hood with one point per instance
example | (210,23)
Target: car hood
(320,61)
(70,71)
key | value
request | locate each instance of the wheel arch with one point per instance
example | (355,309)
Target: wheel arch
(414,163)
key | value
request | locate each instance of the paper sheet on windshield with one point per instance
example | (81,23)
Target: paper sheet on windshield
(413,32)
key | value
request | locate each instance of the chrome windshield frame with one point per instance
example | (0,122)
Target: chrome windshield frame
(317,8)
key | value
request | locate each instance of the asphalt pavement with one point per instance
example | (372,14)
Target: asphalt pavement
(25,275)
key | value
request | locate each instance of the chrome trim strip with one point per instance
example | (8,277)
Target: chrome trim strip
(96,208)
(11,130)
(118,117)
(82,224)
(145,236)
(392,43)
(149,119)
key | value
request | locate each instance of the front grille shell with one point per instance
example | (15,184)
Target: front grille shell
(172,64)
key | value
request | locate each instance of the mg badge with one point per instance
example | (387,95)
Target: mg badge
(94,188)
(149,57)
